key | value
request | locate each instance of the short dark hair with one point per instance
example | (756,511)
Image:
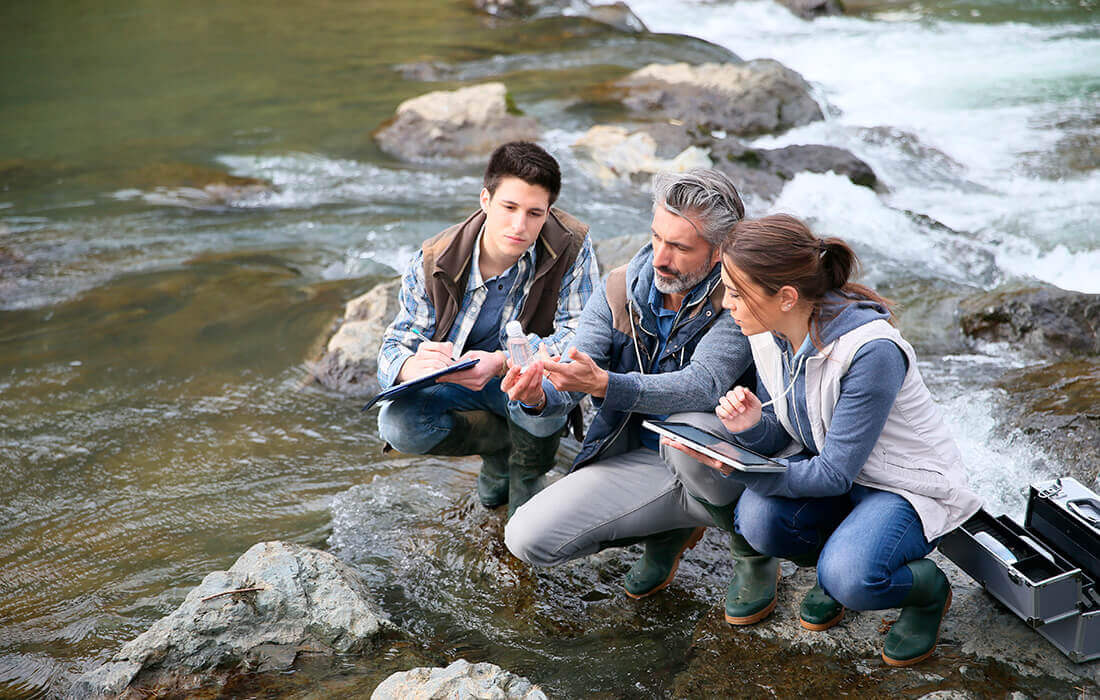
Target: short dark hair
(527,161)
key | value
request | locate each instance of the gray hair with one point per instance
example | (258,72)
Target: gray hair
(706,195)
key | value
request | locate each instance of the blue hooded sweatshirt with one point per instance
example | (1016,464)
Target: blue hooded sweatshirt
(867,394)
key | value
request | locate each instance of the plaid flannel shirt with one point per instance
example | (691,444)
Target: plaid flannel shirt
(415,320)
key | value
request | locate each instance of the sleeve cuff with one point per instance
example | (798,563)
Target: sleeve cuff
(753,435)
(622,391)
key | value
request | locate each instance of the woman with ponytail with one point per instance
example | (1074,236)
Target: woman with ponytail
(874,478)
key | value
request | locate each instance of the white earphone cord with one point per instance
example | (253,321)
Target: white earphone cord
(794,378)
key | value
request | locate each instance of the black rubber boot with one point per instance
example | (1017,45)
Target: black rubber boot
(485,434)
(530,458)
(751,595)
(913,637)
(658,564)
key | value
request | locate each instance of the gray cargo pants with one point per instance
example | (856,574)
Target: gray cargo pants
(635,494)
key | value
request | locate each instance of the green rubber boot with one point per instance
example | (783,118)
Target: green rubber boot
(531,457)
(485,434)
(658,564)
(751,594)
(492,480)
(913,637)
(819,611)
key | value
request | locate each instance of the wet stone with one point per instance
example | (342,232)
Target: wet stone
(463,124)
(461,680)
(278,600)
(1058,406)
(1044,321)
(747,99)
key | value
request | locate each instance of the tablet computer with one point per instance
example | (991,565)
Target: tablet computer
(726,452)
(398,389)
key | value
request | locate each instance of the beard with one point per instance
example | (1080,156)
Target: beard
(681,281)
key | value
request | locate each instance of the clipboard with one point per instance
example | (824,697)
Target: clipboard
(405,387)
(726,452)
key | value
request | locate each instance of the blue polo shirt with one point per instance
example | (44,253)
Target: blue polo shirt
(485,335)
(665,318)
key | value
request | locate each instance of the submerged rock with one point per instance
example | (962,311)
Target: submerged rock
(809,9)
(350,361)
(190,186)
(467,123)
(461,680)
(276,601)
(1045,320)
(757,97)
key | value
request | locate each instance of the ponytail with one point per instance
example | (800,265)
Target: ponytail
(779,250)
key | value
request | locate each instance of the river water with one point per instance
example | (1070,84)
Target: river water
(155,421)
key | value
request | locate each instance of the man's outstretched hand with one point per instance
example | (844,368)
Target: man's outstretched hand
(582,374)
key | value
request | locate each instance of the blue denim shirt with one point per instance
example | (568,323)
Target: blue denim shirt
(665,318)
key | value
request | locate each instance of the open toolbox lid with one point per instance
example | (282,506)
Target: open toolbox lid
(1065,516)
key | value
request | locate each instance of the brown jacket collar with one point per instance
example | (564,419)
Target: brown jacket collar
(454,248)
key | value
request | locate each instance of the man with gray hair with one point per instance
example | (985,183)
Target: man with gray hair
(652,340)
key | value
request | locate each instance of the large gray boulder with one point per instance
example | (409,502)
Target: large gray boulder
(462,124)
(277,600)
(1044,321)
(461,680)
(747,99)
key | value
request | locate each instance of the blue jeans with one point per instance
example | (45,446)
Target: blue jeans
(417,422)
(868,536)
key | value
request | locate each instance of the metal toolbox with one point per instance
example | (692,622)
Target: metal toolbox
(1066,515)
(1037,584)
(1045,571)
(1077,636)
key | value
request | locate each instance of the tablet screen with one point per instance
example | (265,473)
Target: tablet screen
(723,447)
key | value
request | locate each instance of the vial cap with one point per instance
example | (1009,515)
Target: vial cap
(513,329)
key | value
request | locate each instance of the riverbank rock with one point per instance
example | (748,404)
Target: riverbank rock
(1058,406)
(467,123)
(615,153)
(1041,320)
(461,680)
(747,99)
(350,361)
(305,601)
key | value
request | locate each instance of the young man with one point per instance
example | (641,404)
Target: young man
(652,341)
(514,259)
